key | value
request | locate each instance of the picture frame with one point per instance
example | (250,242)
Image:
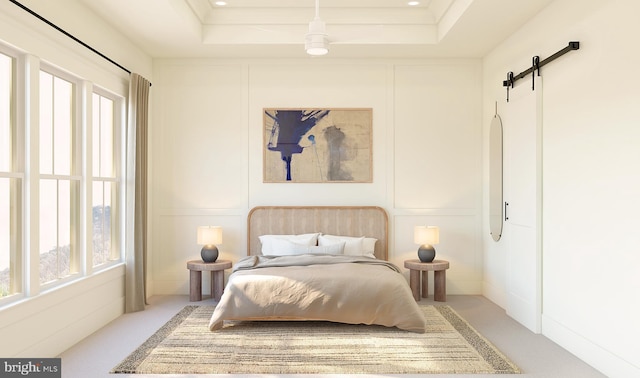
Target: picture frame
(317,145)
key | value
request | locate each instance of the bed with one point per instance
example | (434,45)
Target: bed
(319,263)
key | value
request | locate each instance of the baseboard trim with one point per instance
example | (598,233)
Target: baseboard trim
(494,294)
(601,359)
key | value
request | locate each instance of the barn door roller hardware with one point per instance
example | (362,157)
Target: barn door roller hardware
(536,64)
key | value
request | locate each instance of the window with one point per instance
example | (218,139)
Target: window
(59,187)
(69,163)
(11,179)
(104,180)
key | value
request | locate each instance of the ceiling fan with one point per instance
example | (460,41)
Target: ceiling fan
(316,41)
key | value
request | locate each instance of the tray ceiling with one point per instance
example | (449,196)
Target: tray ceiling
(355,28)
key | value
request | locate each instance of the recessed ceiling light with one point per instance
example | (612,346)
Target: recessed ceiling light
(412,3)
(221,3)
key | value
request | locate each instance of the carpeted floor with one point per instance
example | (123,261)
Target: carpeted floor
(185,346)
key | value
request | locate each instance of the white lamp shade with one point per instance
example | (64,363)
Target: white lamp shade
(426,235)
(209,235)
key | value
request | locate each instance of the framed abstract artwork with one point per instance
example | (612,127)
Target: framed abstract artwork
(317,145)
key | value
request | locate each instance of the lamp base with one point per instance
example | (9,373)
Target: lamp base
(209,253)
(426,253)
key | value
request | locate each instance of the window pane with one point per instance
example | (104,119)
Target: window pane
(99,254)
(96,134)
(103,134)
(103,223)
(55,229)
(109,219)
(48,231)
(5,112)
(56,125)
(106,137)
(62,122)
(46,123)
(64,228)
(5,239)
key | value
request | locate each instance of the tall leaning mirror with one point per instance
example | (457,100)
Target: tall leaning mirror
(495,178)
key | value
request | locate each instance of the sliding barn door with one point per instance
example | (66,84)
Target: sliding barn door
(522,122)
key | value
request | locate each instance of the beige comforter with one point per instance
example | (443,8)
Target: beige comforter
(338,288)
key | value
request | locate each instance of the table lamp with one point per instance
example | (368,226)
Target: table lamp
(426,236)
(209,236)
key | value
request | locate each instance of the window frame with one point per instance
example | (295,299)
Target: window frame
(76,179)
(16,175)
(118,193)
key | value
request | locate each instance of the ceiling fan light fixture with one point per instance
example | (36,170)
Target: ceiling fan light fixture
(316,42)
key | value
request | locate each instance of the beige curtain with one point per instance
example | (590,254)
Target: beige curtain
(136,228)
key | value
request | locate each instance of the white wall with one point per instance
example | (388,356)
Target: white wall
(591,212)
(207,147)
(46,325)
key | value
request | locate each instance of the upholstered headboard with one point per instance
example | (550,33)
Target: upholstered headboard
(369,221)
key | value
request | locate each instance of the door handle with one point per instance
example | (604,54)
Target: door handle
(506,206)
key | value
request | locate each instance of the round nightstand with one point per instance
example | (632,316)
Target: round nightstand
(439,268)
(217,278)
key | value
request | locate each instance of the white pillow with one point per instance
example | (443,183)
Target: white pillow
(284,247)
(331,249)
(369,247)
(304,239)
(354,246)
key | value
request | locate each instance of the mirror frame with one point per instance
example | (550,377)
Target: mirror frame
(496,178)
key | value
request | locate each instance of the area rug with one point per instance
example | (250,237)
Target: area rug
(186,346)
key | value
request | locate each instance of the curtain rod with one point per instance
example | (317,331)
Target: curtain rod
(70,35)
